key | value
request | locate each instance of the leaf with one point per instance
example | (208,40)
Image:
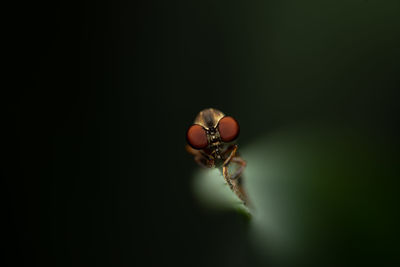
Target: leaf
(316,195)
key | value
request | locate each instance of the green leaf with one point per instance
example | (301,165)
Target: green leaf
(315,194)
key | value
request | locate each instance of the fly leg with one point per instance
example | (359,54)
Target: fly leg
(235,185)
(231,155)
(242,165)
(202,161)
(225,174)
(200,158)
(233,180)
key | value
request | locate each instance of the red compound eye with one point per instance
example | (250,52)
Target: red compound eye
(197,137)
(228,129)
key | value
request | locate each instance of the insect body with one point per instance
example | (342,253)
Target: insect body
(211,139)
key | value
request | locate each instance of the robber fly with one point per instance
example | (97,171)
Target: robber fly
(211,139)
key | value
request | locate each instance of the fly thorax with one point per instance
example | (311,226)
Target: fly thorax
(215,143)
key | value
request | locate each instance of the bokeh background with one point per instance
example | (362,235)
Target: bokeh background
(95,171)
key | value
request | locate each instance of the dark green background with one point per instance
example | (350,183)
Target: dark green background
(96,172)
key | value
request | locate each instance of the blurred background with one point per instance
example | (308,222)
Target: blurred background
(95,171)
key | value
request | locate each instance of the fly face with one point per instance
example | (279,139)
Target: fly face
(211,132)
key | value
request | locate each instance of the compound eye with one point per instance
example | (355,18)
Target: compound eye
(228,129)
(197,137)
